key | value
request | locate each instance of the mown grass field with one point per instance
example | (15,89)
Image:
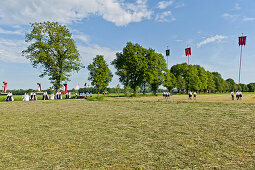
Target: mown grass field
(123,133)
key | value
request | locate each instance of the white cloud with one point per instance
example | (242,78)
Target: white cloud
(246,19)
(166,16)
(11,51)
(231,17)
(164,4)
(68,11)
(90,51)
(211,39)
(81,37)
(179,5)
(237,6)
(16,32)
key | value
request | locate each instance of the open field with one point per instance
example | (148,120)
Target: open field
(120,133)
(222,98)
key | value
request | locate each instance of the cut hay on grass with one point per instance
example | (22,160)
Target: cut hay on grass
(79,134)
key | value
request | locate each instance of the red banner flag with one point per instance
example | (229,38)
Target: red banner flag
(242,40)
(188,51)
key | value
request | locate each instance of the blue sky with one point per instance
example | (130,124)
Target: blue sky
(210,28)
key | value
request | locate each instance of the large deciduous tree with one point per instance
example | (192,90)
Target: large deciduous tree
(52,47)
(156,66)
(170,81)
(99,73)
(139,66)
(131,66)
(232,86)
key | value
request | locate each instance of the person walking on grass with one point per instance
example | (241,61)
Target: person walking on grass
(195,95)
(240,95)
(237,95)
(190,95)
(232,95)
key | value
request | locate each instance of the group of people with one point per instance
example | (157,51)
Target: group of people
(194,94)
(31,98)
(238,95)
(82,95)
(9,97)
(166,95)
(34,98)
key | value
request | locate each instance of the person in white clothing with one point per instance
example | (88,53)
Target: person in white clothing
(237,95)
(52,96)
(195,95)
(240,95)
(190,95)
(25,97)
(232,95)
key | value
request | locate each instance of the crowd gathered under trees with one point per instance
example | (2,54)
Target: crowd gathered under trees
(52,47)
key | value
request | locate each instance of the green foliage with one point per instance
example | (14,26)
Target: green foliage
(137,65)
(202,77)
(51,46)
(156,66)
(140,67)
(251,87)
(244,87)
(180,83)
(219,81)
(232,86)
(210,82)
(100,74)
(170,81)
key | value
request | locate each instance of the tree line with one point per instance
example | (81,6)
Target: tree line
(138,67)
(52,48)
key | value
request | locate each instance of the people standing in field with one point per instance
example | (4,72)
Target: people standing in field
(232,95)
(33,96)
(68,95)
(9,97)
(240,95)
(25,97)
(45,96)
(52,96)
(58,95)
(195,95)
(166,95)
(87,94)
(190,95)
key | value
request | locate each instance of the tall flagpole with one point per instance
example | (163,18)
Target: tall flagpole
(167,55)
(242,42)
(189,72)
(188,53)
(167,59)
(240,66)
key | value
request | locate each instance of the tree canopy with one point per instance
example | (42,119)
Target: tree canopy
(137,65)
(100,74)
(51,46)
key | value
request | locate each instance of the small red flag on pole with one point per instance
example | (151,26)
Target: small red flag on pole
(188,51)
(242,40)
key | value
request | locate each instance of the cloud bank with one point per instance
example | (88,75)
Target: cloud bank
(211,39)
(67,11)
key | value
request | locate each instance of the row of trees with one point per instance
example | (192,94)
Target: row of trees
(140,67)
(51,46)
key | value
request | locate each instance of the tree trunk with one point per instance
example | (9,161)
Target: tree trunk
(98,94)
(135,91)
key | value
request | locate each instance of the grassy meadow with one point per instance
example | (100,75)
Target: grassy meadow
(122,133)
